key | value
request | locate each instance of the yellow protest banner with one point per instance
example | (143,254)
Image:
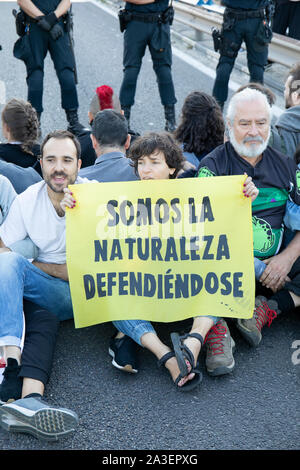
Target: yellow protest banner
(160,250)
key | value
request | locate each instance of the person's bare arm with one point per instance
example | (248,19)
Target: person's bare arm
(62,8)
(56,270)
(30,9)
(3,248)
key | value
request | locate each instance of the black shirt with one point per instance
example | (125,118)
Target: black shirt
(277,178)
(13,153)
(46,6)
(88,155)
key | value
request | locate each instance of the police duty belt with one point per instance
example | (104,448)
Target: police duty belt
(243,15)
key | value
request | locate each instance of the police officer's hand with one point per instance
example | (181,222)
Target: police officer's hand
(56,32)
(46,22)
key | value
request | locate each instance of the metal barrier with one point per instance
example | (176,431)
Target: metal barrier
(282,50)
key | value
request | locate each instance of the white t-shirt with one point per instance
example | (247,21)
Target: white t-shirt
(32,215)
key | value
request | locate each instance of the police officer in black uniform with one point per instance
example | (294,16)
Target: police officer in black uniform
(45,27)
(248,21)
(147,23)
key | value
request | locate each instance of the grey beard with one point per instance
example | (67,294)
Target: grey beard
(252,151)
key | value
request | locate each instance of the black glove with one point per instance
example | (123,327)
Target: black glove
(46,22)
(56,32)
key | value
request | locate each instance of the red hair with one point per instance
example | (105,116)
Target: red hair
(105,94)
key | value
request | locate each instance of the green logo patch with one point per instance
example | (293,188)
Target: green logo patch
(264,238)
(298,180)
(205,172)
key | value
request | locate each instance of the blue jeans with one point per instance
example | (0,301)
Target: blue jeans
(259,267)
(135,329)
(20,278)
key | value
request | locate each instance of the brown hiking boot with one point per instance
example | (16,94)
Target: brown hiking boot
(265,312)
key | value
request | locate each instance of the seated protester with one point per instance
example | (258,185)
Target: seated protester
(36,213)
(278,290)
(104,98)
(287,123)
(26,373)
(275,141)
(297,155)
(157,156)
(110,140)
(292,213)
(201,128)
(19,177)
(20,127)
(7,196)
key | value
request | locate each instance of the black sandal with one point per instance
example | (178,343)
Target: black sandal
(182,352)
(190,384)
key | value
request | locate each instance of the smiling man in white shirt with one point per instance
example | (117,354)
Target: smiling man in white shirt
(36,213)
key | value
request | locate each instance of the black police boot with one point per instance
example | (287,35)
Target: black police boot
(170,118)
(74,125)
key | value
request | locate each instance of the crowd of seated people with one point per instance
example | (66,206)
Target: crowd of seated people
(36,175)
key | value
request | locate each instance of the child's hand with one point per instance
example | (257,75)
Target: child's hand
(68,200)
(249,188)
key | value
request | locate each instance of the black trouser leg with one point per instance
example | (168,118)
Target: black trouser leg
(281,19)
(162,66)
(241,30)
(223,71)
(135,43)
(35,66)
(41,42)
(63,61)
(40,338)
(294,21)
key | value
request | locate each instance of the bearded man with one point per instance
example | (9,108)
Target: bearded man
(37,214)
(277,178)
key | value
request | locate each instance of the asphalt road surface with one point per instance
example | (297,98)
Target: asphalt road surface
(255,407)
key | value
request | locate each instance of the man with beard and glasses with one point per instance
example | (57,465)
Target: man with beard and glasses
(276,177)
(37,214)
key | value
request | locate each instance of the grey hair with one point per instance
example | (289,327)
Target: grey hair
(246,95)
